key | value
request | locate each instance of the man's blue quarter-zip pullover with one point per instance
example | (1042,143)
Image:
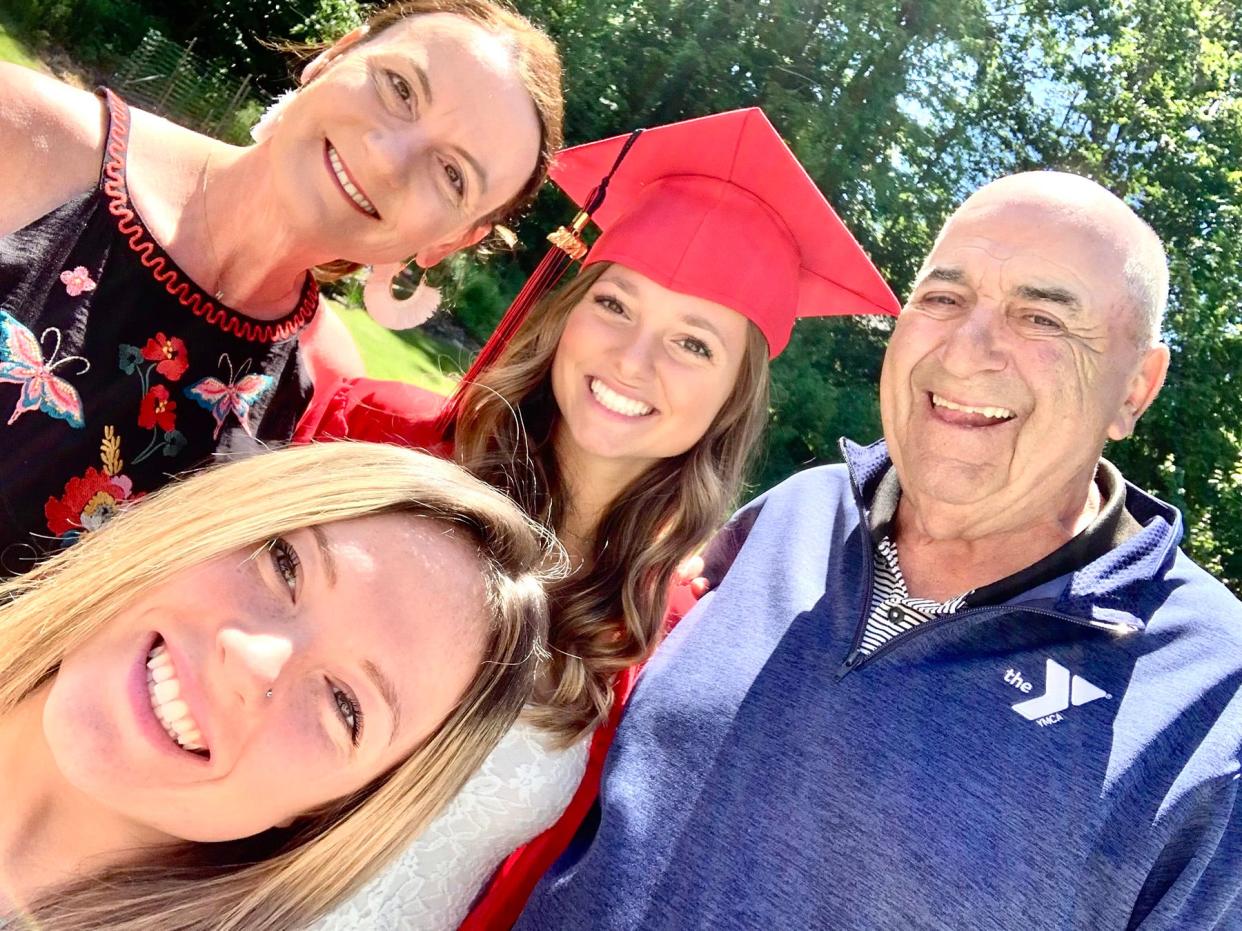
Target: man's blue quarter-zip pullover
(1068,759)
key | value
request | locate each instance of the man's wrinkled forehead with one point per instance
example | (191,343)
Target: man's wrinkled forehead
(1025,245)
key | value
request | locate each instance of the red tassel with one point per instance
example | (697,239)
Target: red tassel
(547,274)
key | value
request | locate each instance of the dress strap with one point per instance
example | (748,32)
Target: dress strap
(116,147)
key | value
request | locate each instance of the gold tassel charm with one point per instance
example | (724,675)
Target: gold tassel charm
(569,240)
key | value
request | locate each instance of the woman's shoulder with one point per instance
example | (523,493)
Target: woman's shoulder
(519,791)
(52,136)
(43,106)
(329,350)
(375,410)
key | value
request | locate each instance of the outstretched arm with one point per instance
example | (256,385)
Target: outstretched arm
(52,137)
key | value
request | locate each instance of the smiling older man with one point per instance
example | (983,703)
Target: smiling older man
(966,680)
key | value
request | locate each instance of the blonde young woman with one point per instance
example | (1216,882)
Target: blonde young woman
(154,282)
(623,413)
(228,707)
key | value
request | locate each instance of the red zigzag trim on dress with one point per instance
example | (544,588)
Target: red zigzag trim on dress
(151,254)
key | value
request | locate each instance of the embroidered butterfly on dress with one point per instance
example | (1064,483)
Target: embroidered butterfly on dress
(236,397)
(21,363)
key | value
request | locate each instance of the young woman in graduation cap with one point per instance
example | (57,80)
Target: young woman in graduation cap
(623,411)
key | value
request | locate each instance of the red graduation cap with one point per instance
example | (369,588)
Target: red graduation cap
(718,207)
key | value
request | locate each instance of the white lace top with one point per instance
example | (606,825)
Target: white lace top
(517,794)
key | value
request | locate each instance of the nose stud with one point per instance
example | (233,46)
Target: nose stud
(269,693)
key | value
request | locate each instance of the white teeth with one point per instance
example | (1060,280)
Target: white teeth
(174,710)
(618,403)
(997,413)
(164,690)
(357,196)
(187,734)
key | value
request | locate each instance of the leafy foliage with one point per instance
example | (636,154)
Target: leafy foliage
(248,33)
(243,34)
(98,31)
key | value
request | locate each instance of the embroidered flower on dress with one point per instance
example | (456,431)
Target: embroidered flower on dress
(87,502)
(162,355)
(157,410)
(170,353)
(130,357)
(77,280)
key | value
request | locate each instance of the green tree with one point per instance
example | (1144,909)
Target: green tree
(1147,99)
(247,33)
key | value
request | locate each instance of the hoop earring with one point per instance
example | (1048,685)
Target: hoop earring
(263,129)
(383,300)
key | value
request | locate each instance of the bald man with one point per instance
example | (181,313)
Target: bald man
(965,680)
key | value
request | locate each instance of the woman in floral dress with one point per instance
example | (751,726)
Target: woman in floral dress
(153,281)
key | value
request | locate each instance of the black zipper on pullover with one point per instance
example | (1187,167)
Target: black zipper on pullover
(857,658)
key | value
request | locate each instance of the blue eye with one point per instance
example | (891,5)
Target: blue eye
(286,562)
(349,712)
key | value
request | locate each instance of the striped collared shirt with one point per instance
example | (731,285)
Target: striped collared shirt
(893,611)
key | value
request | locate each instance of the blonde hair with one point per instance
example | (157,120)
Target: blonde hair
(608,615)
(539,68)
(284,877)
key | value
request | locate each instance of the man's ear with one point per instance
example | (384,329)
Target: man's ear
(328,55)
(1145,384)
(434,255)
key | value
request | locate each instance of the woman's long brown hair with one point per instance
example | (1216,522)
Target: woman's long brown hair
(608,615)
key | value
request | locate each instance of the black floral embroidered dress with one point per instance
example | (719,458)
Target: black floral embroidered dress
(117,371)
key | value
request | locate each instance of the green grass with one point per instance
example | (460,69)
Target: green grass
(413,357)
(14,50)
